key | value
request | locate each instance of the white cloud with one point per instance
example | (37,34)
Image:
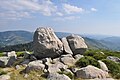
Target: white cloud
(66,18)
(59,14)
(72,9)
(94,9)
(23,8)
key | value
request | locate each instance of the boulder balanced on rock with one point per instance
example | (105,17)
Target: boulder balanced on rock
(46,43)
(77,44)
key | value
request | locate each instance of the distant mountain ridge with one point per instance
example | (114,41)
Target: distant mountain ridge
(8,38)
(15,37)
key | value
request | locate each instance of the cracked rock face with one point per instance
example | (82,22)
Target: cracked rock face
(77,44)
(46,43)
(91,72)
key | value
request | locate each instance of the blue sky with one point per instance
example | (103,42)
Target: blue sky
(75,16)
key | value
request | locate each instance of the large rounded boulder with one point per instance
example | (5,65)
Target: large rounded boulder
(46,43)
(77,44)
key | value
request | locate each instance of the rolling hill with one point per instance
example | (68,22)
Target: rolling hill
(16,38)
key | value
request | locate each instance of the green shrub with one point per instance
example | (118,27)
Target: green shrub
(99,56)
(89,53)
(113,67)
(87,60)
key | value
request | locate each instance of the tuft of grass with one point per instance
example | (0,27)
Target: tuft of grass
(20,54)
(32,75)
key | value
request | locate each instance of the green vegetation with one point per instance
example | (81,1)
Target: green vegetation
(113,67)
(19,47)
(20,54)
(93,55)
(87,60)
(33,75)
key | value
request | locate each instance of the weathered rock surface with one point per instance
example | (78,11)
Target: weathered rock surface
(53,68)
(4,77)
(77,44)
(67,60)
(11,61)
(29,56)
(7,61)
(35,65)
(78,56)
(56,76)
(115,59)
(91,72)
(11,54)
(103,66)
(3,61)
(46,43)
(66,46)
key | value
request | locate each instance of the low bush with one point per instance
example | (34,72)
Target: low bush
(87,60)
(113,67)
(99,56)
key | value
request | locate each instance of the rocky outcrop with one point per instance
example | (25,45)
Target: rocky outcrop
(115,59)
(67,60)
(78,56)
(46,43)
(103,66)
(54,68)
(77,44)
(91,72)
(7,61)
(3,61)
(56,76)
(35,65)
(66,46)
(28,55)
(12,53)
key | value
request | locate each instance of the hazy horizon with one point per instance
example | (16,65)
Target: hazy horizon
(73,16)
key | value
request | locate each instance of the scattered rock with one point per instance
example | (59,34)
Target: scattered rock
(11,61)
(77,44)
(67,60)
(28,55)
(56,60)
(115,59)
(56,76)
(11,54)
(26,76)
(4,77)
(46,43)
(66,46)
(35,65)
(17,67)
(103,66)
(3,61)
(78,56)
(26,61)
(91,72)
(56,67)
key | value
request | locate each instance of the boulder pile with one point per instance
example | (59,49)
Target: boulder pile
(56,58)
